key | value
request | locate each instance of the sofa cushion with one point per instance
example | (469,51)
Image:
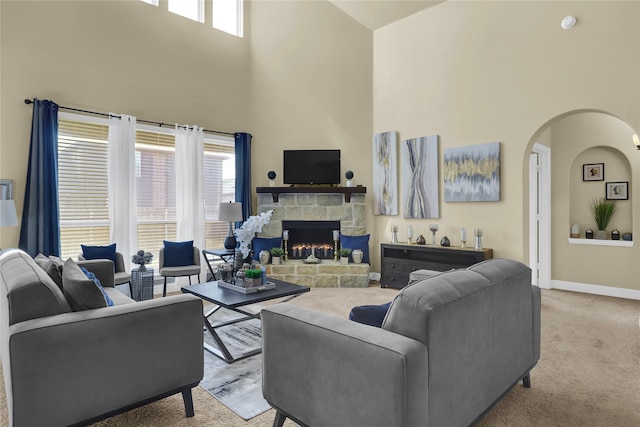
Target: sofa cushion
(100,252)
(259,244)
(81,292)
(356,242)
(51,265)
(27,292)
(178,254)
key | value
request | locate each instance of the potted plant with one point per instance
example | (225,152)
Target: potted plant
(349,175)
(276,253)
(602,210)
(344,255)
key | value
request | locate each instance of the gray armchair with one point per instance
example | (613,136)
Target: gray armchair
(120,276)
(450,346)
(187,270)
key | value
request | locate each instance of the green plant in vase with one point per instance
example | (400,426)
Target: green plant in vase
(276,254)
(602,210)
(344,255)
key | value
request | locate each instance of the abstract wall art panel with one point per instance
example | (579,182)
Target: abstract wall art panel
(385,174)
(419,165)
(472,173)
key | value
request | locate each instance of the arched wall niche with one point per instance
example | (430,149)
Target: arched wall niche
(583,193)
(576,138)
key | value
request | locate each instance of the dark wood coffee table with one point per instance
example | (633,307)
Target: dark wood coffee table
(232,300)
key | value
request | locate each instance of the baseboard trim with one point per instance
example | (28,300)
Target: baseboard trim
(586,288)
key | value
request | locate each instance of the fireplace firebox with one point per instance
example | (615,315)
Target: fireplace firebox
(310,237)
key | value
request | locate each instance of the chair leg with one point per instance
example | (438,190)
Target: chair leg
(188,402)
(526,381)
(130,289)
(189,280)
(278,421)
(198,277)
(164,290)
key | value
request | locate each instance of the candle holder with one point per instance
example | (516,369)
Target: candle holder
(335,250)
(478,232)
(463,237)
(394,234)
(285,240)
(433,228)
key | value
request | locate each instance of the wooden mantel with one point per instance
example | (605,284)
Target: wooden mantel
(347,191)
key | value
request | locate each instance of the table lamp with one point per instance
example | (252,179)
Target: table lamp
(8,216)
(230,212)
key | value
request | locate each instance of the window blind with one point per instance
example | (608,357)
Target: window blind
(82,185)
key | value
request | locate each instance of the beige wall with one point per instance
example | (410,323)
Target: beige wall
(477,72)
(311,79)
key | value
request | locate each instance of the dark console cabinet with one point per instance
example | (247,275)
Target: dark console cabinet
(399,260)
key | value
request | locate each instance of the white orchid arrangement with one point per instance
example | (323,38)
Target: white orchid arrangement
(248,229)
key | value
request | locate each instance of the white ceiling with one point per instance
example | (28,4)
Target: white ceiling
(374,14)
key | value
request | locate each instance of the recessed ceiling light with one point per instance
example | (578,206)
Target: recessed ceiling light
(568,22)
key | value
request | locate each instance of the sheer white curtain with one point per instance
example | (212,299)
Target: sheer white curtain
(121,166)
(190,186)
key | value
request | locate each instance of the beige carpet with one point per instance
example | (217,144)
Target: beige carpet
(588,373)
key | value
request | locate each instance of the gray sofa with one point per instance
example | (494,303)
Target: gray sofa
(64,367)
(451,345)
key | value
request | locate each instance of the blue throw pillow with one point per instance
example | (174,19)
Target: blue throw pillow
(100,252)
(356,242)
(264,244)
(370,314)
(178,254)
(93,277)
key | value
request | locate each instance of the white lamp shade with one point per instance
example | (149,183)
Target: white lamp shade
(230,212)
(8,216)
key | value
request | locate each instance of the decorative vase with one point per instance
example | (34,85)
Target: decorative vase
(275,260)
(272,183)
(357,255)
(601,234)
(238,260)
(349,183)
(264,257)
(421,240)
(344,260)
(445,241)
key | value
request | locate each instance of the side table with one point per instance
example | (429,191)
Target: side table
(142,284)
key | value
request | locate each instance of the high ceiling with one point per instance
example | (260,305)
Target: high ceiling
(374,14)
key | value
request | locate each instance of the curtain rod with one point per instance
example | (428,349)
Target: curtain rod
(219,132)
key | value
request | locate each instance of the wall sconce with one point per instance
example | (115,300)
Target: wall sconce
(636,140)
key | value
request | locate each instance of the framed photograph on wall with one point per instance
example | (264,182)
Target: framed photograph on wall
(617,190)
(593,172)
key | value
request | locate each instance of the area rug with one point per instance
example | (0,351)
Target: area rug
(236,385)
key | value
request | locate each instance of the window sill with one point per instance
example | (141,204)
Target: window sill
(598,242)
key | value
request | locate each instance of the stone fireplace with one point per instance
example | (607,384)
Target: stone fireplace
(311,215)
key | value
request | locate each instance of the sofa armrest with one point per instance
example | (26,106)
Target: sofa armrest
(73,366)
(102,268)
(325,370)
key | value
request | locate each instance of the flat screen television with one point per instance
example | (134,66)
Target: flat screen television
(311,167)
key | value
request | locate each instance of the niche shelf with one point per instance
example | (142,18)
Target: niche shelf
(600,242)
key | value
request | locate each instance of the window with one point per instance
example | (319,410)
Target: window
(227,16)
(192,9)
(82,178)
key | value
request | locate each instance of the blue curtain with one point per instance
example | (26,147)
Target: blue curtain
(40,230)
(243,172)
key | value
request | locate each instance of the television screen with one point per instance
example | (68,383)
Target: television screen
(311,167)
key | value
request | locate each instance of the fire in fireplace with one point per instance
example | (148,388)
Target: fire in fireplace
(310,237)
